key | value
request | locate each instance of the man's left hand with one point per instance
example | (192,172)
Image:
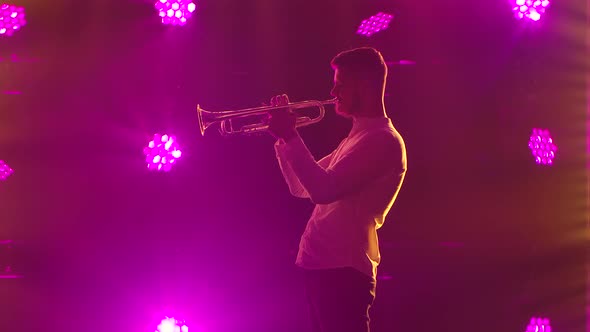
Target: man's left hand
(281,123)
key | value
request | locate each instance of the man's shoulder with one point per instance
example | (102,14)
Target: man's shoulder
(382,140)
(384,133)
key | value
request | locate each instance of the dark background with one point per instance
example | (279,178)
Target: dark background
(480,238)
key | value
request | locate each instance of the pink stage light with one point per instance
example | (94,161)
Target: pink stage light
(162,152)
(542,146)
(530,9)
(538,324)
(374,24)
(175,12)
(172,325)
(12,18)
(5,170)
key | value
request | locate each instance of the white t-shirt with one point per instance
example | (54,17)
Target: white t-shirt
(353,188)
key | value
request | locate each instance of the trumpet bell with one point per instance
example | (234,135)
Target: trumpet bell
(202,118)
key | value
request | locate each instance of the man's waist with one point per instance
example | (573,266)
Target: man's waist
(360,263)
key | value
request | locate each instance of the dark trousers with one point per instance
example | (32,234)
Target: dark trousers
(339,299)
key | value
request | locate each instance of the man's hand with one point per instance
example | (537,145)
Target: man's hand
(281,122)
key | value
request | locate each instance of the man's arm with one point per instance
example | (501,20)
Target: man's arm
(374,156)
(295,187)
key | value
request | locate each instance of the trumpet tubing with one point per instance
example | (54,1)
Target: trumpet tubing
(226,118)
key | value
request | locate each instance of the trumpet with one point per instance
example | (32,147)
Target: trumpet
(258,115)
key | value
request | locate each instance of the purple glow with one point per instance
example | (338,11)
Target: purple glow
(374,24)
(5,171)
(17,58)
(400,63)
(162,152)
(531,9)
(542,147)
(175,12)
(12,18)
(7,260)
(538,324)
(171,325)
(384,277)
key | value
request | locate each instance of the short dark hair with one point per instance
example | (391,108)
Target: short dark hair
(362,62)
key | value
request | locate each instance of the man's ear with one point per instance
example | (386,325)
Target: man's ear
(365,85)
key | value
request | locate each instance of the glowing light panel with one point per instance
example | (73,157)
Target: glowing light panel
(162,152)
(172,325)
(12,18)
(542,146)
(374,24)
(529,9)
(538,324)
(175,12)
(5,170)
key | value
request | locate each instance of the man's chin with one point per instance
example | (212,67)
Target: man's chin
(343,114)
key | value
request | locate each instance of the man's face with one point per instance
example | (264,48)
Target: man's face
(346,93)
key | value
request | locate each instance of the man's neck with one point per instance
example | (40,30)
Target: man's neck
(370,113)
(371,109)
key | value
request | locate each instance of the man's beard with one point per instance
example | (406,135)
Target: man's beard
(352,107)
(342,111)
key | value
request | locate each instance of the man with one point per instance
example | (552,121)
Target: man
(353,188)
